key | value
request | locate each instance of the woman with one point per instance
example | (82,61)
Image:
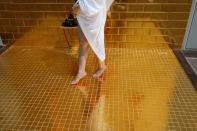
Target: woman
(91,15)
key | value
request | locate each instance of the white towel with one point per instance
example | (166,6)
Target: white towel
(92,22)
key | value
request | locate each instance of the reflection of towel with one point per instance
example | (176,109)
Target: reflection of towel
(92,22)
(97,120)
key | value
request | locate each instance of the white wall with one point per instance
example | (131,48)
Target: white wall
(1,43)
(190,41)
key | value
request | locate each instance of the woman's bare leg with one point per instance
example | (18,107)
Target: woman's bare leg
(101,68)
(82,59)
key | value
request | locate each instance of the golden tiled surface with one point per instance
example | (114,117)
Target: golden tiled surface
(17,17)
(143,89)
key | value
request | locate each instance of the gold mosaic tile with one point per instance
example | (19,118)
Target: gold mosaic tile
(143,89)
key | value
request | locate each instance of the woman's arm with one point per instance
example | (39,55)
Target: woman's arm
(76,9)
(91,7)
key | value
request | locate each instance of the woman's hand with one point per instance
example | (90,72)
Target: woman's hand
(76,9)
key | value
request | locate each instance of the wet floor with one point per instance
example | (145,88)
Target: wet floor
(143,89)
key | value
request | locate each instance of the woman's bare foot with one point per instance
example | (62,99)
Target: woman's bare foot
(78,78)
(99,72)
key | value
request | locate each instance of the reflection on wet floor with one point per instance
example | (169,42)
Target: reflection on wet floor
(143,89)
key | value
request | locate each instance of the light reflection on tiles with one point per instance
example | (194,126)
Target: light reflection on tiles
(142,89)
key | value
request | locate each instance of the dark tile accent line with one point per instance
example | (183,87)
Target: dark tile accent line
(187,68)
(190,53)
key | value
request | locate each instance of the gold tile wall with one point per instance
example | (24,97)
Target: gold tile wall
(42,18)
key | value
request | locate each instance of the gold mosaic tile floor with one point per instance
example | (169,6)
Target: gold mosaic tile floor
(144,89)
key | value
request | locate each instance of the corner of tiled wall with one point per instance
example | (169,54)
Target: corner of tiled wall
(36,22)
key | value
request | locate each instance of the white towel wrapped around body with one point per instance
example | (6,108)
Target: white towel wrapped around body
(92,22)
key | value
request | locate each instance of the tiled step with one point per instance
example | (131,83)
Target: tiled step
(193,63)
(188,60)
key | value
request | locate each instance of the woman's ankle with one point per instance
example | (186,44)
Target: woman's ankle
(102,67)
(81,72)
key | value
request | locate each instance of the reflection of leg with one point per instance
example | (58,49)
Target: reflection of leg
(102,67)
(82,59)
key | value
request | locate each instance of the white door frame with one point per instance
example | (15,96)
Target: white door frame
(194,6)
